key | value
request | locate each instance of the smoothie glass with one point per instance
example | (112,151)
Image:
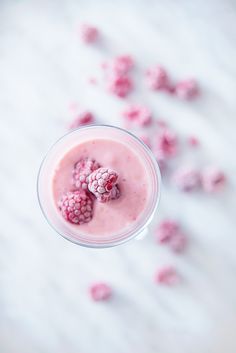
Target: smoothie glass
(66,143)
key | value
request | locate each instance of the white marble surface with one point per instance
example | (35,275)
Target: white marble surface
(44,306)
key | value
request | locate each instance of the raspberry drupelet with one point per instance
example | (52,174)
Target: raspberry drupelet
(100,291)
(81,171)
(76,207)
(102,183)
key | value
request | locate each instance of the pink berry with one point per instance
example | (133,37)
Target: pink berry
(89,34)
(193,141)
(213,179)
(166,230)
(187,89)
(167,144)
(178,242)
(167,275)
(76,207)
(187,178)
(100,291)
(122,64)
(120,85)
(83,118)
(157,78)
(102,183)
(82,169)
(138,114)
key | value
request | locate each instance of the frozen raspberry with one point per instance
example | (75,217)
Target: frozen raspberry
(167,144)
(187,89)
(167,275)
(138,114)
(102,183)
(100,291)
(213,179)
(122,64)
(193,141)
(120,85)
(81,171)
(157,78)
(178,242)
(187,178)
(76,207)
(166,230)
(83,118)
(89,34)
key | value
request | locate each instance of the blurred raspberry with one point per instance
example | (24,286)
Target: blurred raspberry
(193,141)
(138,114)
(166,230)
(89,34)
(83,118)
(157,78)
(187,89)
(100,291)
(76,207)
(187,178)
(122,64)
(167,275)
(120,85)
(178,242)
(213,179)
(167,144)
(82,169)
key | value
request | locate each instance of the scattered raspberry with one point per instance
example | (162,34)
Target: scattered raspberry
(166,230)
(100,291)
(102,183)
(167,144)
(89,34)
(157,78)
(138,114)
(76,207)
(213,179)
(81,171)
(193,141)
(83,118)
(187,89)
(187,178)
(178,242)
(167,275)
(120,85)
(122,64)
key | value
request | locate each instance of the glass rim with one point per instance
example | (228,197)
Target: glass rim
(135,232)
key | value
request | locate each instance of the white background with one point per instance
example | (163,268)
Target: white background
(44,305)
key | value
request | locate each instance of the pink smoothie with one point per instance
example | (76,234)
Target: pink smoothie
(134,182)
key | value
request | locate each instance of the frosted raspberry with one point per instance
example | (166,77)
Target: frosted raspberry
(83,118)
(100,291)
(122,64)
(178,242)
(193,141)
(81,171)
(138,114)
(157,78)
(120,85)
(89,34)
(166,230)
(167,144)
(76,207)
(213,179)
(187,178)
(187,89)
(102,183)
(167,275)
